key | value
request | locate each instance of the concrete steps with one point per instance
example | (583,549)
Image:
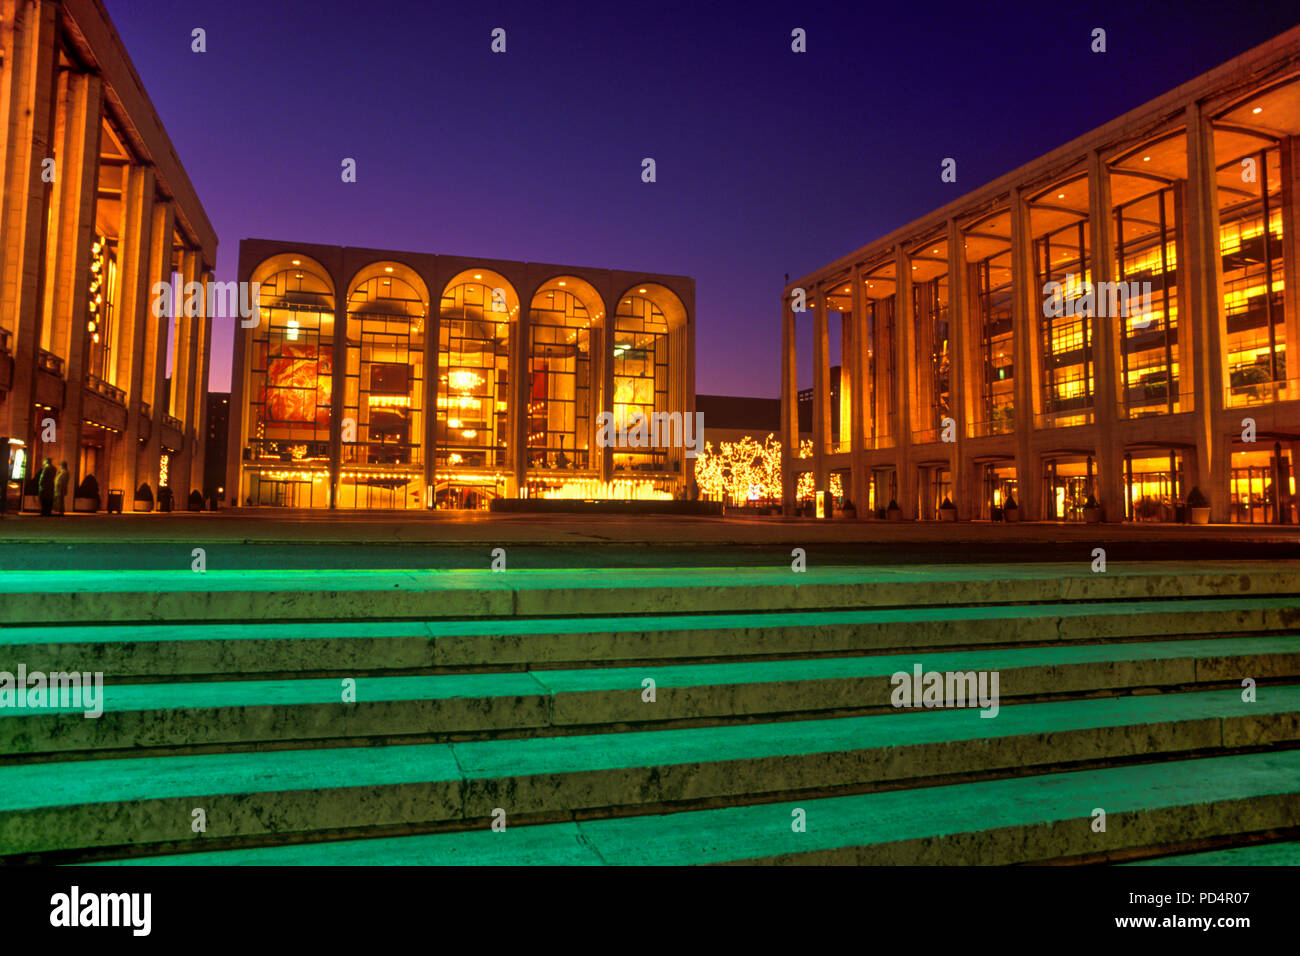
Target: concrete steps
(1024,820)
(524,692)
(187,716)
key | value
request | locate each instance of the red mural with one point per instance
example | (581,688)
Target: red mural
(298,385)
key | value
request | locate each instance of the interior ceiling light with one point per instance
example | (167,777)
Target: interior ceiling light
(1146,159)
(1060,195)
(297,262)
(1258,109)
(640,290)
(478,275)
(388,268)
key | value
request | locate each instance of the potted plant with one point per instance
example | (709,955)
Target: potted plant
(1091,510)
(1010,510)
(196,501)
(947,510)
(144,498)
(86,497)
(1198,507)
(849,509)
(893,512)
(31,494)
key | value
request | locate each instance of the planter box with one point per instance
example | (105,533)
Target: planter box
(947,514)
(31,502)
(1199,515)
(85,505)
(1011,514)
(895,515)
(1092,515)
(142,504)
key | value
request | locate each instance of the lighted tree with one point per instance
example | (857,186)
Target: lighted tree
(745,470)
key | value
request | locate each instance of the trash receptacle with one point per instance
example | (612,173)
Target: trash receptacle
(115,498)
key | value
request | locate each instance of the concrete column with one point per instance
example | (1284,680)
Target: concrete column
(28,39)
(1109,455)
(155,349)
(522,388)
(789,409)
(964,491)
(73,223)
(608,328)
(134,315)
(202,365)
(236,435)
(1290,172)
(821,391)
(1026,308)
(862,403)
(338,389)
(432,357)
(1203,318)
(185,398)
(904,375)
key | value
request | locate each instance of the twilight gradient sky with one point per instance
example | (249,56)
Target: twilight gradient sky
(768,161)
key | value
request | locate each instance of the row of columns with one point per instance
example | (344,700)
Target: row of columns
(1202,336)
(47,225)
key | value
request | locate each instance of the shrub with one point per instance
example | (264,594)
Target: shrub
(1091,502)
(88,488)
(196,501)
(947,505)
(893,505)
(1195,499)
(143,493)
(1009,504)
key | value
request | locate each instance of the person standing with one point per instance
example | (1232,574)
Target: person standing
(45,487)
(61,487)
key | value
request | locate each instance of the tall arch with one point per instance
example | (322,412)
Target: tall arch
(383,438)
(649,351)
(564,372)
(287,413)
(478,311)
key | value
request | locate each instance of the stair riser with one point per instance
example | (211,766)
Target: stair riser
(175,730)
(268,814)
(359,655)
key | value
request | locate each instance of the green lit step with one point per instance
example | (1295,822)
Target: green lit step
(141,716)
(148,800)
(34,597)
(1023,820)
(160,650)
(1263,854)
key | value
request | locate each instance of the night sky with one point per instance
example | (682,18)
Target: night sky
(768,161)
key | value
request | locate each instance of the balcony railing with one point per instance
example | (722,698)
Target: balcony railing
(173,422)
(1064,419)
(146,411)
(1260,393)
(110,392)
(1001,425)
(49,362)
(6,341)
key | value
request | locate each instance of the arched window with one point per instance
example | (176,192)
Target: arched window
(560,376)
(473,372)
(290,372)
(382,452)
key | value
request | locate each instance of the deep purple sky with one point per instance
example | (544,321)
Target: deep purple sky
(768,161)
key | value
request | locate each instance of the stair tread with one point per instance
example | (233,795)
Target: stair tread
(762,831)
(29,786)
(195,695)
